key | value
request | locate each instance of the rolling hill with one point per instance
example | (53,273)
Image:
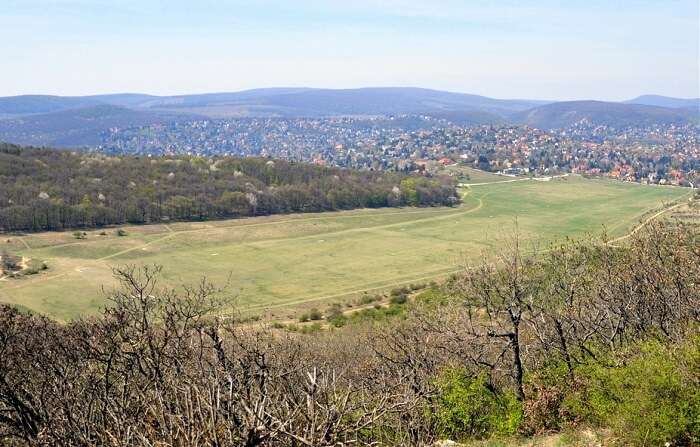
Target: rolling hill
(77,127)
(564,114)
(283,102)
(666,101)
(13,106)
(371,101)
(79,121)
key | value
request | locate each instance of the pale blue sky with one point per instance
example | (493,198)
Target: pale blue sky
(614,49)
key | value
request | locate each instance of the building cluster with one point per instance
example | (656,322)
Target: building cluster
(654,154)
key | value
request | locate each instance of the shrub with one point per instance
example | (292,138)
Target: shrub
(467,407)
(433,295)
(368,299)
(35,267)
(121,232)
(79,235)
(400,291)
(399,299)
(315,315)
(545,391)
(311,329)
(10,263)
(334,311)
(651,399)
(338,320)
(417,286)
(335,316)
(312,315)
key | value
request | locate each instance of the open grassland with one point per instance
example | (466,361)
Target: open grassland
(280,263)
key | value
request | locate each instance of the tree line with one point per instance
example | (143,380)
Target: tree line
(45,189)
(586,334)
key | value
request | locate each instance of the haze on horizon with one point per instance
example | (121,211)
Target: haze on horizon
(517,49)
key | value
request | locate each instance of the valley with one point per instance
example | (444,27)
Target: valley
(277,266)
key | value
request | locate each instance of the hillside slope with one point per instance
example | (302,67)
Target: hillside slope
(564,114)
(665,101)
(77,127)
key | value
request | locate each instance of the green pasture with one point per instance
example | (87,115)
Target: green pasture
(278,264)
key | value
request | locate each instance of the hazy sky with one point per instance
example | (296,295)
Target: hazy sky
(612,49)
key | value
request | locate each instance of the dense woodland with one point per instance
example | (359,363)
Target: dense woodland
(588,335)
(44,189)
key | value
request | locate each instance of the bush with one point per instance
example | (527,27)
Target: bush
(334,311)
(10,263)
(545,391)
(433,296)
(35,267)
(312,315)
(400,291)
(311,329)
(417,286)
(467,407)
(368,299)
(121,233)
(651,399)
(399,299)
(338,320)
(315,315)
(79,235)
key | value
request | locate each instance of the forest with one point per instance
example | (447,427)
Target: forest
(588,335)
(46,189)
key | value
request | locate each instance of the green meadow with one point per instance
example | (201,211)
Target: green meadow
(279,264)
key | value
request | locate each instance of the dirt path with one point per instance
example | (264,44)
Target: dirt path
(645,222)
(541,179)
(430,275)
(21,239)
(495,183)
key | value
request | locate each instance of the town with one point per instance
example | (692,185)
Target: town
(658,154)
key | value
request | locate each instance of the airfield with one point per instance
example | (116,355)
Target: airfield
(276,265)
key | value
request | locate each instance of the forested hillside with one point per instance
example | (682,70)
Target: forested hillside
(44,189)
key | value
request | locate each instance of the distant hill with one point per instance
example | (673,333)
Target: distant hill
(15,106)
(307,102)
(67,121)
(287,102)
(11,106)
(77,127)
(666,101)
(565,114)
(123,99)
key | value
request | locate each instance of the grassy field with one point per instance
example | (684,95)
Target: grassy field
(279,264)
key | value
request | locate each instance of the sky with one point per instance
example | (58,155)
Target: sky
(554,50)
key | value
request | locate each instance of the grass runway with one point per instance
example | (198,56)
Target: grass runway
(282,263)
